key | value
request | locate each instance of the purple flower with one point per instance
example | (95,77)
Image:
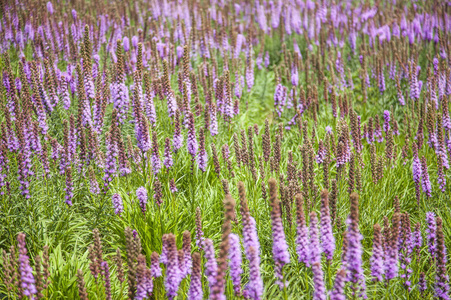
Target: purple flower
(179,52)
(106,274)
(377,259)
(164,249)
(187,260)
(425,182)
(126,43)
(441,274)
(280,97)
(258,61)
(172,186)
(27,282)
(446,120)
(250,237)
(294,76)
(386,120)
(195,289)
(422,284)
(74,14)
(254,288)
(267,59)
(211,267)
(339,286)
(279,246)
(117,204)
(213,120)
(416,169)
(327,237)
(414,84)
(416,238)
(191,141)
(94,185)
(199,232)
(155,269)
(111,160)
(240,39)
(315,250)
(329,129)
(141,194)
(157,191)
(431,233)
(318,282)
(303,243)
(144,283)
(322,152)
(378,133)
(401,99)
(155,156)
(120,99)
(172,279)
(172,104)
(235,261)
(261,18)
(202,154)
(150,108)
(50,7)
(182,264)
(354,253)
(391,253)
(167,158)
(23,172)
(135,41)
(142,133)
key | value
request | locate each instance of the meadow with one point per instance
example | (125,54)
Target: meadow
(225,149)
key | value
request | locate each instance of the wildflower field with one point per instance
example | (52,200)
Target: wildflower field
(225,149)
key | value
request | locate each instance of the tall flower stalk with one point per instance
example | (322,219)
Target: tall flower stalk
(279,247)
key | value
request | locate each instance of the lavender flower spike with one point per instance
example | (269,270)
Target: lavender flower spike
(167,158)
(192,141)
(155,269)
(117,204)
(377,259)
(315,249)
(279,247)
(235,261)
(178,137)
(431,233)
(141,194)
(327,237)
(172,279)
(195,290)
(425,182)
(27,282)
(339,286)
(254,288)
(354,253)
(441,276)
(318,282)
(155,156)
(302,238)
(386,126)
(211,266)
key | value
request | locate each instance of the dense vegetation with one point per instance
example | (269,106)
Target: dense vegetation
(199,149)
